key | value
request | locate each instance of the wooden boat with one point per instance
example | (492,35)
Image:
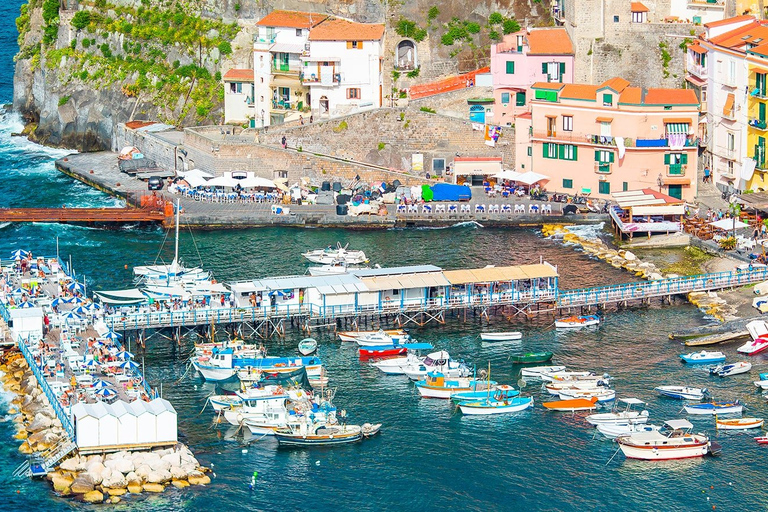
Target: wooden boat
(551,377)
(614,430)
(307,346)
(557,387)
(676,443)
(617,417)
(682,392)
(753,347)
(762,440)
(731,369)
(436,386)
(712,408)
(351,336)
(713,339)
(500,391)
(738,423)
(222,402)
(319,434)
(494,405)
(537,371)
(703,357)
(532,357)
(577,322)
(577,404)
(602,394)
(500,336)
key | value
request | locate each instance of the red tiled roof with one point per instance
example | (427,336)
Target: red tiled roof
(616,83)
(728,21)
(135,125)
(739,37)
(631,95)
(549,41)
(697,48)
(555,86)
(579,92)
(291,19)
(239,74)
(638,7)
(525,115)
(670,97)
(760,50)
(335,29)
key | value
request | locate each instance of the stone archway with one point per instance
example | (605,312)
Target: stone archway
(406,57)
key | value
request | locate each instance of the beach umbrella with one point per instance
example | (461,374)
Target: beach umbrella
(101,384)
(93,306)
(19,254)
(279,293)
(75,286)
(19,291)
(81,310)
(59,301)
(112,335)
(106,392)
(26,305)
(129,365)
(124,355)
(78,300)
(91,363)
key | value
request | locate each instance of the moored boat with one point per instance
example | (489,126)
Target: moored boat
(553,376)
(222,402)
(352,336)
(620,417)
(577,404)
(731,369)
(711,408)
(702,357)
(500,391)
(738,423)
(494,405)
(602,395)
(677,442)
(437,386)
(682,392)
(531,357)
(762,439)
(319,434)
(440,362)
(222,365)
(307,346)
(577,322)
(614,430)
(763,382)
(537,371)
(390,352)
(380,351)
(501,336)
(753,347)
(380,338)
(340,254)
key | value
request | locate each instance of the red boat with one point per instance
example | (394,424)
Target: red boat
(762,440)
(753,347)
(378,352)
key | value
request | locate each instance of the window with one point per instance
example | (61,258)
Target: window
(603,161)
(281,174)
(236,87)
(354,45)
(759,84)
(298,32)
(731,72)
(567,152)
(615,19)
(438,166)
(604,187)
(519,43)
(353,94)
(676,128)
(561,151)
(546,95)
(505,98)
(284,93)
(510,67)
(520,99)
(530,151)
(624,186)
(554,71)
(731,138)
(638,17)
(607,100)
(567,123)
(567,183)
(675,163)
(729,164)
(550,150)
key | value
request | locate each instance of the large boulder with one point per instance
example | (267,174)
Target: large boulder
(159,465)
(135,488)
(41,422)
(180,484)
(61,483)
(115,492)
(133,478)
(82,484)
(159,477)
(153,487)
(121,465)
(95,471)
(178,473)
(174,459)
(142,471)
(93,497)
(115,479)
(199,479)
(73,464)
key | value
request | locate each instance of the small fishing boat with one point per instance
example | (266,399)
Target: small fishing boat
(762,440)
(738,423)
(703,357)
(437,386)
(682,392)
(730,369)
(501,336)
(614,430)
(577,404)
(537,371)
(602,395)
(496,405)
(319,434)
(577,322)
(553,376)
(617,417)
(380,338)
(753,347)
(352,336)
(340,254)
(223,402)
(307,346)
(763,382)
(677,442)
(392,351)
(531,357)
(502,390)
(555,388)
(440,362)
(712,408)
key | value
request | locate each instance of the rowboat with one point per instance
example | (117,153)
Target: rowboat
(617,417)
(555,388)
(753,347)
(703,357)
(436,386)
(500,391)
(550,377)
(307,346)
(677,442)
(379,338)
(351,336)
(682,392)
(439,362)
(577,322)
(500,336)
(612,431)
(392,351)
(762,440)
(763,382)
(222,402)
(537,371)
(730,369)
(602,395)
(738,423)
(224,364)
(492,405)
(532,357)
(577,404)
(715,408)
(319,434)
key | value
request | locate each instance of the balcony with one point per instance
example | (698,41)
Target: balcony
(758,124)
(676,170)
(577,138)
(285,69)
(282,105)
(602,167)
(698,70)
(758,93)
(690,142)
(706,4)
(313,78)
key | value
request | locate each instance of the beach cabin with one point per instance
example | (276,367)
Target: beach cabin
(126,423)
(86,420)
(146,425)
(166,430)
(108,425)
(26,323)
(646,212)
(502,284)
(398,287)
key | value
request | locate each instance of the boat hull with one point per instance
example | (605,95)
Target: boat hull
(682,393)
(736,409)
(365,354)
(214,374)
(579,404)
(536,372)
(486,409)
(739,424)
(541,357)
(754,347)
(576,322)
(501,336)
(664,453)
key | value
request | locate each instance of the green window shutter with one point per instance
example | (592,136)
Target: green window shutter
(567,183)
(607,99)
(546,149)
(611,157)
(604,187)
(575,152)
(562,68)
(684,158)
(597,155)
(544,67)
(520,99)
(761,108)
(551,95)
(561,151)
(541,95)
(510,67)
(624,186)
(530,151)
(666,159)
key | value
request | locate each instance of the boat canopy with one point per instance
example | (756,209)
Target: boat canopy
(129,297)
(631,401)
(417,346)
(679,424)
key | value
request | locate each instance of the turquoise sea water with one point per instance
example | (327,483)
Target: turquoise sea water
(428,457)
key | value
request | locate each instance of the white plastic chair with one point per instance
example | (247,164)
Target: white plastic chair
(440,208)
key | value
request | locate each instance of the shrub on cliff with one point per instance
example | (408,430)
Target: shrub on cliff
(81,19)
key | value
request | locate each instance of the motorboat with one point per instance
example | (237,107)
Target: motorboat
(730,369)
(390,352)
(753,347)
(329,256)
(307,346)
(537,371)
(762,439)
(324,434)
(440,362)
(614,430)
(681,392)
(617,417)
(531,357)
(222,402)
(712,408)
(576,404)
(352,336)
(501,336)
(395,365)
(563,375)
(333,269)
(738,423)
(577,322)
(555,388)
(436,385)
(496,404)
(676,442)
(380,338)
(703,357)
(222,365)
(501,391)
(602,395)
(763,382)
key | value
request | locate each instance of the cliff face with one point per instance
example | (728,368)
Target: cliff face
(86,66)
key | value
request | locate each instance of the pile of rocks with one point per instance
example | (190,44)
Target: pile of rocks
(709,303)
(97,478)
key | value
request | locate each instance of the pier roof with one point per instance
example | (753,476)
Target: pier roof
(499,274)
(405,281)
(413,269)
(327,285)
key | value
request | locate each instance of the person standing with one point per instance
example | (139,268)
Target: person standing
(707,175)
(284,142)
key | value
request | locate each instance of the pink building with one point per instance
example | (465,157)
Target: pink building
(601,139)
(523,58)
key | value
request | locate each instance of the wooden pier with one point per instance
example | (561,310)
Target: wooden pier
(82,215)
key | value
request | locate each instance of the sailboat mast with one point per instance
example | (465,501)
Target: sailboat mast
(176,250)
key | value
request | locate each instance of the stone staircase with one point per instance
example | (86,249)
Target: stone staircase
(709,196)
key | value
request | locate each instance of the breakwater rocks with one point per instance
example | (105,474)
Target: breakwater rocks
(93,478)
(708,302)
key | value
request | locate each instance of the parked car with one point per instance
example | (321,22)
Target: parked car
(155,183)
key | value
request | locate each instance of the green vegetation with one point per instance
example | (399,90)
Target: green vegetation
(408,28)
(22,24)
(341,127)
(433,13)
(495,19)
(51,19)
(225,48)
(665,58)
(684,45)
(395,75)
(382,145)
(687,262)
(81,19)
(427,110)
(414,73)
(63,100)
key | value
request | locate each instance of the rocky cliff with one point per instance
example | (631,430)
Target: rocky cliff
(85,66)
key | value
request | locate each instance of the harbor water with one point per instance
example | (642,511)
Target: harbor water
(428,457)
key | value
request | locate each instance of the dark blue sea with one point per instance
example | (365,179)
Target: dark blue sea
(428,457)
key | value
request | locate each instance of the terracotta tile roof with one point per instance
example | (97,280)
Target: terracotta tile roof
(670,97)
(638,7)
(753,33)
(239,74)
(697,48)
(631,95)
(579,92)
(291,19)
(549,41)
(525,115)
(554,86)
(335,29)
(760,50)
(728,21)
(616,83)
(135,125)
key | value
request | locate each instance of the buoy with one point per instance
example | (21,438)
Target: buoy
(245,450)
(126,267)
(317,463)
(212,462)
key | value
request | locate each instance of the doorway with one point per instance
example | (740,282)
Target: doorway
(676,191)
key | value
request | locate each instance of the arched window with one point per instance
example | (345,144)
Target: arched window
(406,57)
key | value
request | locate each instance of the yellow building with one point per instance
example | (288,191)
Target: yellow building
(757,123)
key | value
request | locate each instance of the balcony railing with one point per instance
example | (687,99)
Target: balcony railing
(758,124)
(313,78)
(697,70)
(603,167)
(707,3)
(579,138)
(286,69)
(757,93)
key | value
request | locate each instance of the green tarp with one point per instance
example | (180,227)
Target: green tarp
(426,193)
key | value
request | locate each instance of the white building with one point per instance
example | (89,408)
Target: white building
(238,97)
(697,11)
(343,67)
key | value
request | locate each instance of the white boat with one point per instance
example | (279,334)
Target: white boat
(307,346)
(612,430)
(763,382)
(682,392)
(703,356)
(537,371)
(222,402)
(440,362)
(738,423)
(753,347)
(495,405)
(731,369)
(331,256)
(616,417)
(501,336)
(352,336)
(577,322)
(677,442)
(602,395)
(554,388)
(396,365)
(379,339)
(714,408)
(552,376)
(435,385)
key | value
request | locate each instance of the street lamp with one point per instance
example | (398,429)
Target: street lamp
(660,181)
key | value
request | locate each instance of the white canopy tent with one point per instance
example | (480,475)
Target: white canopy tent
(507,175)
(729,224)
(195,172)
(223,181)
(256,182)
(195,181)
(530,177)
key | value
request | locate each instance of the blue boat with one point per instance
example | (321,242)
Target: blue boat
(499,393)
(224,364)
(703,357)
(488,406)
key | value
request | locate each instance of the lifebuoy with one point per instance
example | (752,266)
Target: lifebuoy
(387,298)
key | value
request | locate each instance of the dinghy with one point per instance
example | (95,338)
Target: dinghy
(500,336)
(682,392)
(577,322)
(531,357)
(731,369)
(537,371)
(712,408)
(340,254)
(738,423)
(494,405)
(703,357)
(602,395)
(351,336)
(578,404)
(763,382)
(612,430)
(620,417)
(753,347)
(307,346)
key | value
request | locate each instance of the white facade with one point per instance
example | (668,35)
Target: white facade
(26,323)
(239,106)
(698,11)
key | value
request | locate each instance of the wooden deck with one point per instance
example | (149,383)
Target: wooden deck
(86,215)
